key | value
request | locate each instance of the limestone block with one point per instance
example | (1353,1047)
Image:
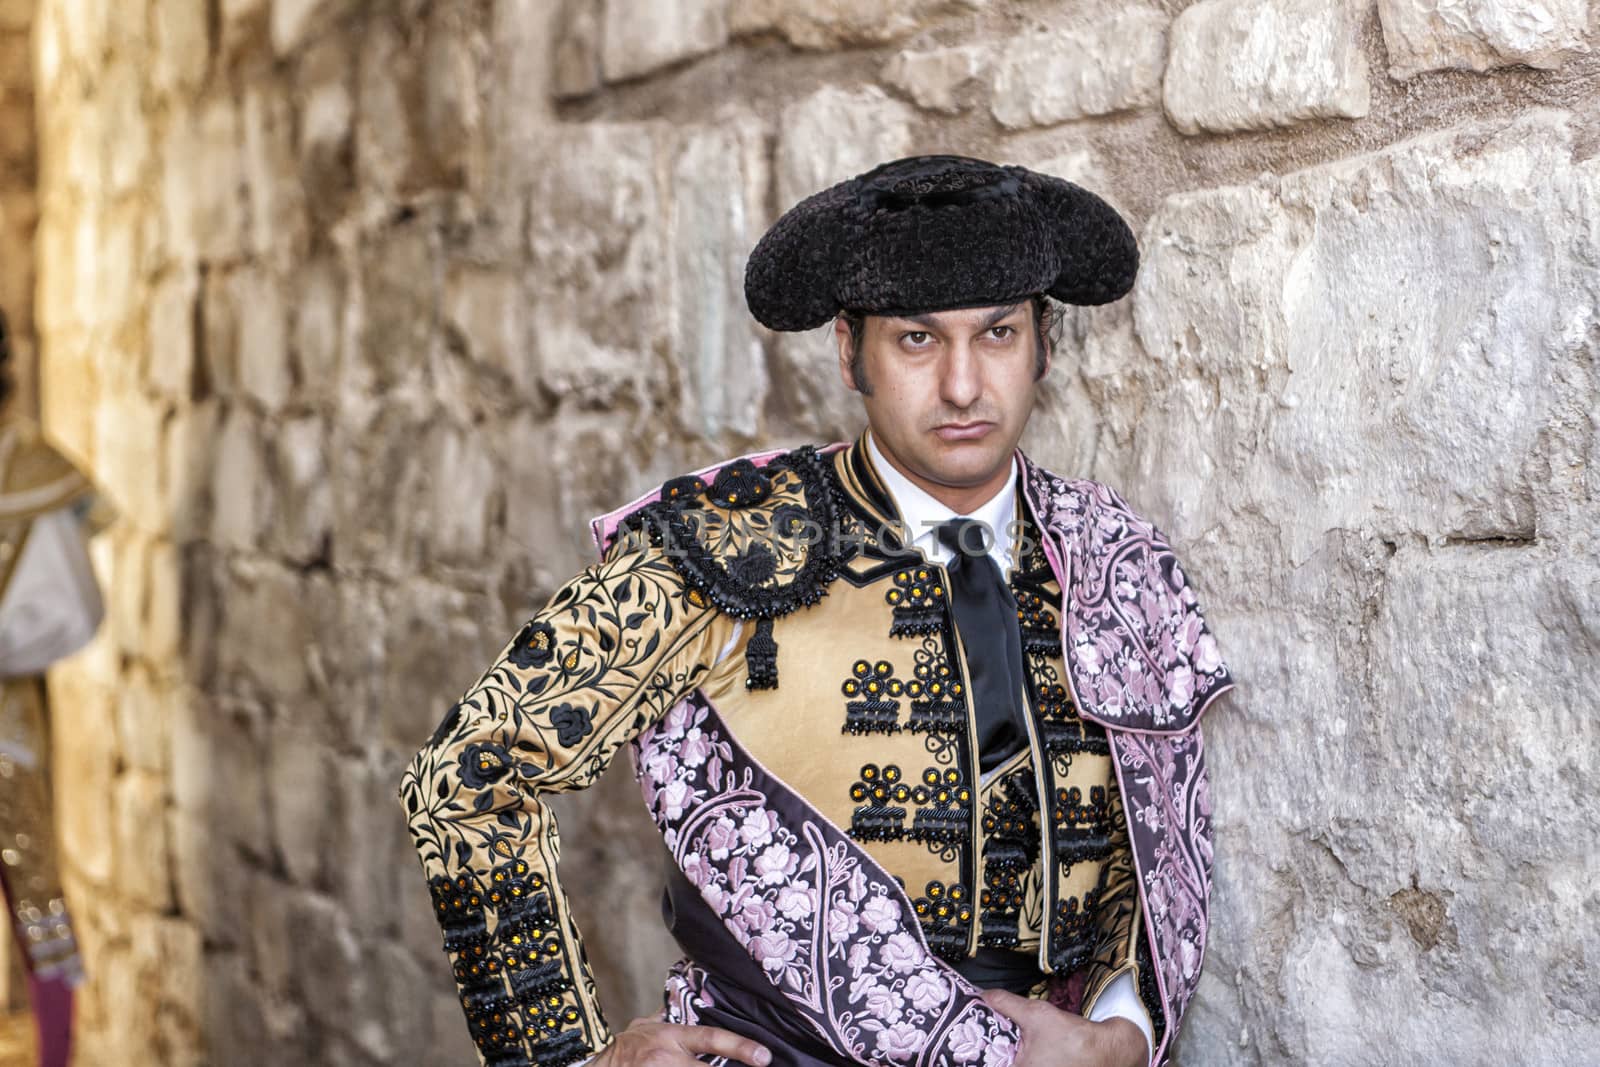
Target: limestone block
(276,202)
(318,307)
(301,771)
(128,432)
(202,183)
(327,119)
(1329,342)
(124,590)
(719,183)
(295,21)
(378,471)
(328,959)
(362,821)
(641,36)
(239,486)
(277,659)
(1112,63)
(521,87)
(182,46)
(106,278)
(304,490)
(143,710)
(935,78)
(189,435)
(264,369)
(73,29)
(451,115)
(1256,64)
(835,134)
(127,127)
(575,58)
(809,392)
(219,332)
(140,842)
(485,310)
(400,302)
(83,738)
(221,805)
(1481,35)
(1373,908)
(533,518)
(461,481)
(598,262)
(401,989)
(171,334)
(164,624)
(386,144)
(826,24)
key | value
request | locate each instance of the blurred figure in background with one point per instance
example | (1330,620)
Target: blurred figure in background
(49,608)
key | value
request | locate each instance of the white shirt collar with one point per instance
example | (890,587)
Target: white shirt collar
(922,514)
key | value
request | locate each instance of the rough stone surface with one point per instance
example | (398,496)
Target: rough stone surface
(1479,35)
(719,183)
(835,134)
(1112,63)
(1255,64)
(640,36)
(836,23)
(935,78)
(1390,456)
(357,312)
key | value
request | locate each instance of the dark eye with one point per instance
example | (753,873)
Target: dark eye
(1003,332)
(916,337)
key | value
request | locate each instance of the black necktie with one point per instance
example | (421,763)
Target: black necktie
(986,615)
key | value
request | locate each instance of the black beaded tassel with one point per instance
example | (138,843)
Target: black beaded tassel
(761,658)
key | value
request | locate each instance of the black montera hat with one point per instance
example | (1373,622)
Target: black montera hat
(929,233)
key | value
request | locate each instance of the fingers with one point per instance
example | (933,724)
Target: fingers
(1004,1002)
(720,1042)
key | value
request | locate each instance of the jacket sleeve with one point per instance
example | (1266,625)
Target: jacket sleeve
(1118,928)
(613,650)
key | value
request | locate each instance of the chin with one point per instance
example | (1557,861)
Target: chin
(967,463)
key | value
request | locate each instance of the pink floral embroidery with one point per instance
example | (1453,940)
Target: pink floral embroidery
(828,927)
(1143,662)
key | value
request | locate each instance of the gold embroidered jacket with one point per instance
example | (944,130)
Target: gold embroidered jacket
(792,682)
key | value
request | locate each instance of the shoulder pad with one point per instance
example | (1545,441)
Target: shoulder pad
(758,540)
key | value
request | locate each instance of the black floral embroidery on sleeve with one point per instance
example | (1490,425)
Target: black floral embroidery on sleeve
(482,764)
(572,723)
(534,645)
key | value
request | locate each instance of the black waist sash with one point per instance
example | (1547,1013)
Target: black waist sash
(745,1001)
(742,998)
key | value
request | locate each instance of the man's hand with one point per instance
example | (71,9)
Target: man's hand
(1055,1038)
(654,1043)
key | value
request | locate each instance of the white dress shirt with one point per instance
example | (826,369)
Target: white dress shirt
(922,515)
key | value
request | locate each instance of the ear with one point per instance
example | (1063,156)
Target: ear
(841,334)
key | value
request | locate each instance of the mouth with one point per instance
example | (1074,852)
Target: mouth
(963,431)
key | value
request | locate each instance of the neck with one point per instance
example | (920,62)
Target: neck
(961,499)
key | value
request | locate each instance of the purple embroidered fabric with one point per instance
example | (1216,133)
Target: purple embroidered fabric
(1143,663)
(831,930)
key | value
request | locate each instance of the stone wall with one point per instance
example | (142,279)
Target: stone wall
(19,179)
(358,310)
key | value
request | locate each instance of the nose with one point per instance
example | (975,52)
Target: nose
(960,385)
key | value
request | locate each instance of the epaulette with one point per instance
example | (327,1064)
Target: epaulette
(759,541)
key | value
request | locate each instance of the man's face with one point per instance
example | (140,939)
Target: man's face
(950,391)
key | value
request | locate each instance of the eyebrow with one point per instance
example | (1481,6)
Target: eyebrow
(994,316)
